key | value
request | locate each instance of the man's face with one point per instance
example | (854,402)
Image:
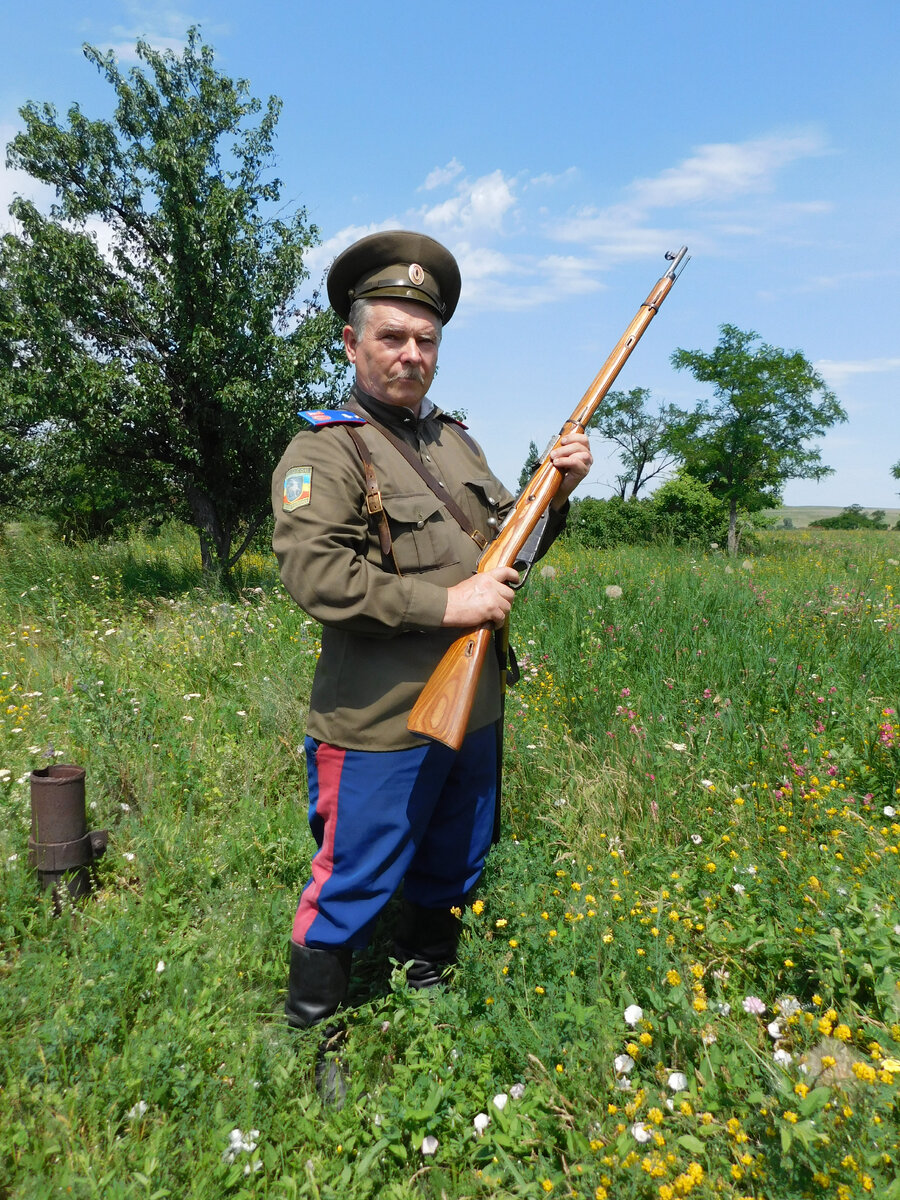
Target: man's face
(396,356)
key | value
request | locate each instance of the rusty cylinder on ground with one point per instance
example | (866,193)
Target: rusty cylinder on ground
(61,848)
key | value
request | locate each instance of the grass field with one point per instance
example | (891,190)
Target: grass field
(680,976)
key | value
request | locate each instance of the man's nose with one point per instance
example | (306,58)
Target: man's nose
(411,351)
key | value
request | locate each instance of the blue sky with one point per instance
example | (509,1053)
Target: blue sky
(559,151)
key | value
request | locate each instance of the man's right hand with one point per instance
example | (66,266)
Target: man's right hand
(484,599)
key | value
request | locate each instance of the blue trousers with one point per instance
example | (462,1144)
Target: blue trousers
(424,816)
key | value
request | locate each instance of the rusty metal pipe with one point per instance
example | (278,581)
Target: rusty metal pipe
(61,848)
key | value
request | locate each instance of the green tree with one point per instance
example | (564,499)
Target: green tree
(753,436)
(532,462)
(641,435)
(155,331)
(895,471)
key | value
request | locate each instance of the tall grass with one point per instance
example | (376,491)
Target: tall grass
(703,760)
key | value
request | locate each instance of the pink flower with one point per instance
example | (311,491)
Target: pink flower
(753,1004)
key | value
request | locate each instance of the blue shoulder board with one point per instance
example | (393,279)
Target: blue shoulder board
(317,417)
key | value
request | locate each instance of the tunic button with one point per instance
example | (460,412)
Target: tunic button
(492,502)
(420,524)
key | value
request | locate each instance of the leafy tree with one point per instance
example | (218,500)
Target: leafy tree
(852,517)
(895,471)
(753,437)
(641,435)
(154,328)
(532,462)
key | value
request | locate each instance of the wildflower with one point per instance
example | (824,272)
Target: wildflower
(160,967)
(753,1004)
(640,1132)
(696,838)
(239,1144)
(481,1123)
(613,591)
(623,1064)
(633,1013)
(548,572)
(137,1111)
(678,1081)
(889,810)
(517,1091)
(790,1115)
(739,888)
(429,1144)
(500,1101)
(673,978)
(774,1030)
(478,908)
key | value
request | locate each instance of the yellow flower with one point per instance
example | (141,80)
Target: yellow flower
(842,1033)
(539,990)
(513,943)
(546,1185)
(673,978)
(791,1116)
(501,923)
(478,908)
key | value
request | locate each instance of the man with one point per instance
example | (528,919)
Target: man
(381,511)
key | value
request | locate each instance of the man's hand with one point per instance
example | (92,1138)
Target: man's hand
(482,599)
(574,459)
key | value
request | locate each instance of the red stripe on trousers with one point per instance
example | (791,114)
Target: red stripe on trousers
(329,765)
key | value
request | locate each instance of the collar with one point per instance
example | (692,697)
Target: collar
(393,415)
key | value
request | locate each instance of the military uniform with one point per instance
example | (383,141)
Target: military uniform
(381,614)
(386,805)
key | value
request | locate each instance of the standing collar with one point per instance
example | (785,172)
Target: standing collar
(393,414)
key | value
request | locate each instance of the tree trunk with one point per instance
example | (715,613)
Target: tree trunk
(733,535)
(215,540)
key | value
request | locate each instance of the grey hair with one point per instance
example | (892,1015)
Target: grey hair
(358,318)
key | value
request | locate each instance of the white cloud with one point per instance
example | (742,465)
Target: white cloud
(836,372)
(442,175)
(549,180)
(479,205)
(723,169)
(320,257)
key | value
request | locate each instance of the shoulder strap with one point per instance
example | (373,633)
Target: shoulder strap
(373,496)
(433,484)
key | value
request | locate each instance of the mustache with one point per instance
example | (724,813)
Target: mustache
(410,372)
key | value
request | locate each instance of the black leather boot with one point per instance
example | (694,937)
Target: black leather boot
(427,939)
(317,986)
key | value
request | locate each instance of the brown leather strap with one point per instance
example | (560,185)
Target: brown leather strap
(433,484)
(373,496)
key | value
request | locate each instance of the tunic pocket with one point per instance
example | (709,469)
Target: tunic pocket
(422,531)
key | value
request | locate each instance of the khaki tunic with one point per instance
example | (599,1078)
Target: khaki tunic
(381,636)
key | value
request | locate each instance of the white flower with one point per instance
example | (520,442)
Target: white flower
(517,1091)
(429,1144)
(548,572)
(632,1014)
(500,1101)
(678,1081)
(613,591)
(679,746)
(739,888)
(128,856)
(137,1111)
(640,1132)
(160,967)
(889,810)
(696,838)
(623,1064)
(5,775)
(707,783)
(708,1036)
(783,1058)
(774,1030)
(239,1144)
(481,1123)
(788,1006)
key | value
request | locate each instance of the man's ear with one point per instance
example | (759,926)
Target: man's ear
(350,344)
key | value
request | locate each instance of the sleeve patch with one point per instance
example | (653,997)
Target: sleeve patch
(297,488)
(318,417)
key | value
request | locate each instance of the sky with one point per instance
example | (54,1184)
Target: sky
(559,150)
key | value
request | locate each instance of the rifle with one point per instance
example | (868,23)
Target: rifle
(443,708)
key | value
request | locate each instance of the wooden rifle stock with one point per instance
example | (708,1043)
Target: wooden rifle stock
(443,708)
